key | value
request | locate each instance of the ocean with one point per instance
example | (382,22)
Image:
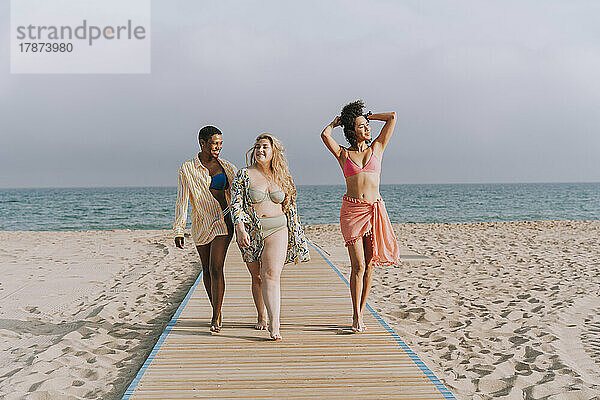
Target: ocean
(153,207)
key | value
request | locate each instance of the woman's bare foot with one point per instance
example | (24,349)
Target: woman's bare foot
(274,333)
(357,325)
(215,326)
(261,325)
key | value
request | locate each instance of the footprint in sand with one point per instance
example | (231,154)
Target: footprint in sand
(590,335)
(579,340)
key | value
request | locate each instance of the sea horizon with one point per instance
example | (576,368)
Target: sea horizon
(306,184)
(152,207)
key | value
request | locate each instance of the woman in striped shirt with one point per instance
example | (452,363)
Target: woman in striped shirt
(204,182)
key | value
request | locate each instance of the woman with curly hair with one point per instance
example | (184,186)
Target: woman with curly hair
(364,221)
(267,227)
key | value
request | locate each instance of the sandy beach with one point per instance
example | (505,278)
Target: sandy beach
(501,310)
(80,311)
(496,310)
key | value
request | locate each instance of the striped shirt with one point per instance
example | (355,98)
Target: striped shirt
(193,187)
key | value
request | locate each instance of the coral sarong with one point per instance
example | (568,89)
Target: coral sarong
(358,217)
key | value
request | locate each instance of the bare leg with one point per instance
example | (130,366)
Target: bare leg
(254,269)
(218,250)
(272,260)
(357,262)
(367,277)
(204,252)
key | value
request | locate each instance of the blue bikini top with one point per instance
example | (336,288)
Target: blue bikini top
(218,182)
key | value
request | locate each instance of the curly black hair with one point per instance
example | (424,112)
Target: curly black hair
(207,132)
(348,116)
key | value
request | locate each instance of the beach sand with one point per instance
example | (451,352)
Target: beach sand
(496,310)
(80,311)
(501,310)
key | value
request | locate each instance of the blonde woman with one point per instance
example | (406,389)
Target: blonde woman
(267,227)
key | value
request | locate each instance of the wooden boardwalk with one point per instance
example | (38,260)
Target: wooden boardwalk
(318,357)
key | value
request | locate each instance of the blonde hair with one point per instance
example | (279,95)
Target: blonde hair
(280,173)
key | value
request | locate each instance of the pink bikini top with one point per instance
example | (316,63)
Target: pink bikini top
(350,167)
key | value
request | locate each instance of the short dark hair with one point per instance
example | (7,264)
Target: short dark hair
(207,132)
(348,117)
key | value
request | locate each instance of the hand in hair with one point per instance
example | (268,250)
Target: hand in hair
(329,141)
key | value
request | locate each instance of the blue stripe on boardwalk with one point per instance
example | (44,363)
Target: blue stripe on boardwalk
(161,339)
(437,383)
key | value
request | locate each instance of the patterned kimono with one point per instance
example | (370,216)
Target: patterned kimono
(242,210)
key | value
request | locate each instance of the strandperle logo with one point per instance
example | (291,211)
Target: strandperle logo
(85,31)
(80,36)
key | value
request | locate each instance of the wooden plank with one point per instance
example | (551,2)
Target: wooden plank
(318,357)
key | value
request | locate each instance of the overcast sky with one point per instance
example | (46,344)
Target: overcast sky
(485,91)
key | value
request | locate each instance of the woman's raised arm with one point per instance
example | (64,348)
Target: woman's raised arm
(387,130)
(329,141)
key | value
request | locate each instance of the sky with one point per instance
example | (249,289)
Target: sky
(485,92)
